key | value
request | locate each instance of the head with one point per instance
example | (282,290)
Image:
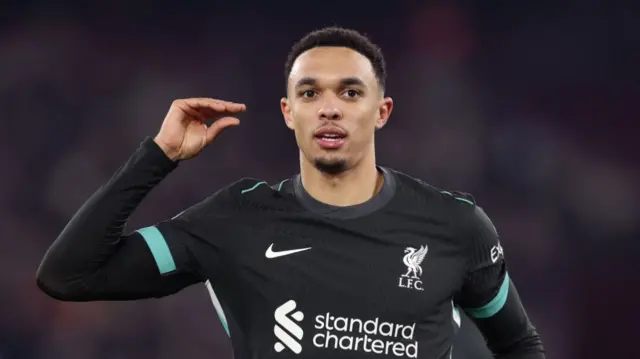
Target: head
(335,98)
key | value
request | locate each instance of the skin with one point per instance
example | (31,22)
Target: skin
(184,133)
(328,87)
(336,87)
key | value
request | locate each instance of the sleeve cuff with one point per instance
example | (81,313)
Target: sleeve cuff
(154,152)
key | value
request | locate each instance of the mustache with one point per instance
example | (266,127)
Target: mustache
(330,125)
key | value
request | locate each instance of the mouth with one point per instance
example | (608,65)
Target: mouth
(330,138)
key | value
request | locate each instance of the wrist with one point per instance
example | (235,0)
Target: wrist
(171,154)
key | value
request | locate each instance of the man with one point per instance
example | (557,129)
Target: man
(345,260)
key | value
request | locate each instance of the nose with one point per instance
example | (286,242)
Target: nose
(330,113)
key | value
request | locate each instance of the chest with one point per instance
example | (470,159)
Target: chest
(356,266)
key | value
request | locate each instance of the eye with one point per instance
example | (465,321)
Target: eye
(307,94)
(351,93)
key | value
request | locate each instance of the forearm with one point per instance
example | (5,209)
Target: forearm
(490,298)
(80,257)
(506,327)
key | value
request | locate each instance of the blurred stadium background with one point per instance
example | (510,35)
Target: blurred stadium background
(531,106)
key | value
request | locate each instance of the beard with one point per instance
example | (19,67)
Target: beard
(331,166)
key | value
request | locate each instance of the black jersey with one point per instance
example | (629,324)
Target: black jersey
(293,277)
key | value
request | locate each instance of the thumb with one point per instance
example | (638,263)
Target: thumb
(218,126)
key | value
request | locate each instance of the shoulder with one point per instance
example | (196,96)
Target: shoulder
(229,200)
(432,195)
(247,190)
(242,188)
(459,208)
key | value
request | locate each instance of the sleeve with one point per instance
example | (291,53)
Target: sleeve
(92,259)
(196,235)
(489,297)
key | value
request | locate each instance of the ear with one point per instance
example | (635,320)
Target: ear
(286,112)
(384,111)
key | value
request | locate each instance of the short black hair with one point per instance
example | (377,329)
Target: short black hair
(340,37)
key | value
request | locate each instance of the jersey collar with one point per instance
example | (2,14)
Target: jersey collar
(348,212)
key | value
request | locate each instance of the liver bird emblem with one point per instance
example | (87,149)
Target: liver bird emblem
(412,259)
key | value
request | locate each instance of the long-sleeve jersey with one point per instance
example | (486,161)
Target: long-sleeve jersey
(293,277)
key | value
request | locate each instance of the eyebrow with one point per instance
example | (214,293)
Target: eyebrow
(347,81)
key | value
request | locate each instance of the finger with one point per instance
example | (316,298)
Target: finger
(220,125)
(216,105)
(211,114)
(206,100)
(201,105)
(218,110)
(229,107)
(235,107)
(190,112)
(203,109)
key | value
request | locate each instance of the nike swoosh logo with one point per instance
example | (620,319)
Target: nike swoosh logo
(271,254)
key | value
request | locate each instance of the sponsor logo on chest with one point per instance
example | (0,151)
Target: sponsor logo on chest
(333,332)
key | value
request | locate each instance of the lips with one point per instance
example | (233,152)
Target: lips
(330,137)
(330,132)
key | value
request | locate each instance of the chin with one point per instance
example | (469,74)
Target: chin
(330,165)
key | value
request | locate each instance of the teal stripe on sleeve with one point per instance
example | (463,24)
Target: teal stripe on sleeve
(159,249)
(494,306)
(464,200)
(458,198)
(281,183)
(252,188)
(218,307)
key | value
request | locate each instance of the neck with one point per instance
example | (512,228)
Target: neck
(354,186)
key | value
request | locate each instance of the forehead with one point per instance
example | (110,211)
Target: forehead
(327,64)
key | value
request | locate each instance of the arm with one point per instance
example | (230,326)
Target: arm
(93,260)
(490,299)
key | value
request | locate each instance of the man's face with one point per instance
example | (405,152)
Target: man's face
(334,106)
